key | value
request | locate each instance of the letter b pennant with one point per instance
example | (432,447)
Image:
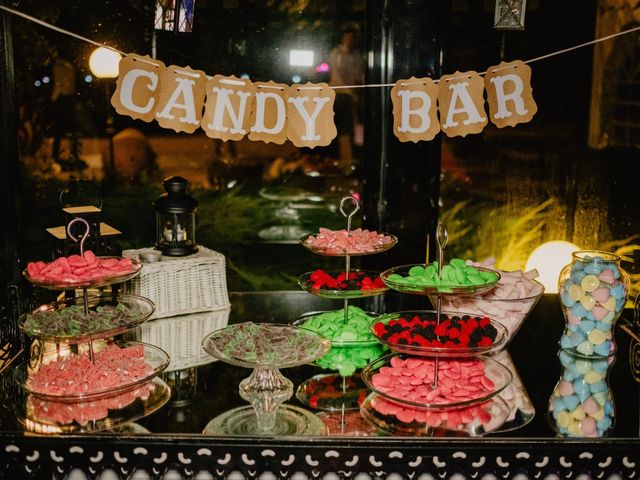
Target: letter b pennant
(414,109)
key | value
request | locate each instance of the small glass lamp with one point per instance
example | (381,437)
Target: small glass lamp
(176,219)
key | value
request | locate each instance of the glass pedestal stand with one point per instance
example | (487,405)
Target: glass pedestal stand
(340,392)
(394,410)
(266,389)
(65,330)
(265,348)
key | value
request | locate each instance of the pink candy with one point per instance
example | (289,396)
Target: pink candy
(453,418)
(76,375)
(75,268)
(411,380)
(343,242)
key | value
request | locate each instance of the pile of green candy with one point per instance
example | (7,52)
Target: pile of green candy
(332,325)
(71,321)
(456,274)
(346,360)
(346,356)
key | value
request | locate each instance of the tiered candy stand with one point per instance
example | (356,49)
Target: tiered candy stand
(337,393)
(419,405)
(92,320)
(266,348)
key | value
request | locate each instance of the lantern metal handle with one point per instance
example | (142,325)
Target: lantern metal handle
(77,186)
(84,236)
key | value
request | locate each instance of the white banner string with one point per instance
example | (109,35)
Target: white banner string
(335,87)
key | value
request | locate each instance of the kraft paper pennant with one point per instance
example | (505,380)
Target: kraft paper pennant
(228,107)
(509,94)
(415,113)
(310,115)
(137,87)
(461,104)
(269,113)
(181,98)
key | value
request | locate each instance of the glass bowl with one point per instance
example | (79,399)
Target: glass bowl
(307,283)
(443,289)
(65,358)
(251,344)
(471,421)
(136,266)
(510,312)
(336,330)
(453,390)
(442,351)
(65,322)
(343,252)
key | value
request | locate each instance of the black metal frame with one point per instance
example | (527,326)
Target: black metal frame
(24,457)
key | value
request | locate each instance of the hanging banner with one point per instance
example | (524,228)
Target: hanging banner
(461,104)
(181,98)
(269,114)
(509,94)
(310,115)
(230,108)
(227,110)
(415,111)
(136,93)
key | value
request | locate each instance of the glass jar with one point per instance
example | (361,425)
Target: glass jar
(581,404)
(593,291)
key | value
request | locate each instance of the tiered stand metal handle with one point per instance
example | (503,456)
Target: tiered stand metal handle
(442,238)
(349,215)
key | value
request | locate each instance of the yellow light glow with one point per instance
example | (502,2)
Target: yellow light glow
(104,62)
(548,259)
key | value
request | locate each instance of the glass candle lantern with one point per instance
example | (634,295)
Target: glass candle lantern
(175,219)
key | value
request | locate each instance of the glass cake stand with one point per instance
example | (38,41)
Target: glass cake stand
(266,348)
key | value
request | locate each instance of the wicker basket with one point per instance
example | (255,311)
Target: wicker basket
(181,285)
(181,337)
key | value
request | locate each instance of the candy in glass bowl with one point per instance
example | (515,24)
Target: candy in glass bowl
(418,332)
(455,278)
(339,243)
(337,284)
(510,302)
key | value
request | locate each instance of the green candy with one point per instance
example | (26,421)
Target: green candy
(455,274)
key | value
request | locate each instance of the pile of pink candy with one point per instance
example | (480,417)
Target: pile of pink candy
(451,419)
(76,375)
(342,242)
(411,380)
(75,268)
(84,412)
(508,303)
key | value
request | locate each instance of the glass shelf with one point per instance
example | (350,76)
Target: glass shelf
(443,289)
(431,351)
(450,392)
(109,413)
(65,359)
(348,292)
(402,420)
(65,321)
(103,281)
(342,252)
